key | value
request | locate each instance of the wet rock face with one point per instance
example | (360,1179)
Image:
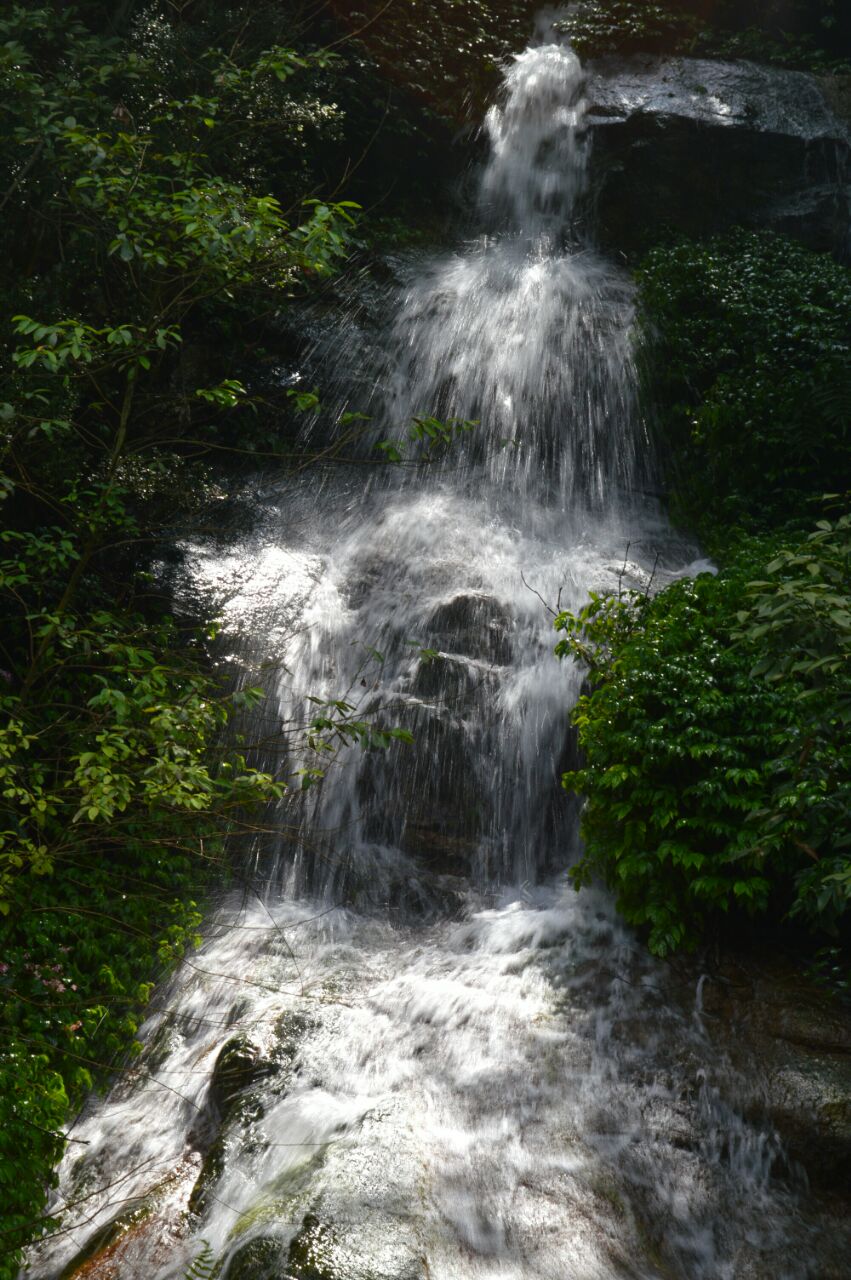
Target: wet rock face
(259,1259)
(688,145)
(435,809)
(800,1039)
(475,625)
(238,1066)
(322,1252)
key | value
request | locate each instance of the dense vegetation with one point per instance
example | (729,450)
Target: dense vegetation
(747,369)
(448,52)
(812,35)
(717,770)
(169,177)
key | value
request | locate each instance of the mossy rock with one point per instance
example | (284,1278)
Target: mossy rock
(259,1259)
(309,1252)
(238,1066)
(320,1251)
(290,1029)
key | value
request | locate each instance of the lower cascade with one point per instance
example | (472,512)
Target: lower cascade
(408,1050)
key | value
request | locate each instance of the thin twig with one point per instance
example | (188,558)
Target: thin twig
(548,607)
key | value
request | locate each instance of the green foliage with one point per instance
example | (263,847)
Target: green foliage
(169,180)
(715,736)
(596,27)
(746,354)
(802,35)
(447,51)
(203,1267)
(35,1108)
(136,216)
(798,618)
(796,52)
(433,436)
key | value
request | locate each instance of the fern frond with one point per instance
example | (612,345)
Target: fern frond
(834,399)
(203,1266)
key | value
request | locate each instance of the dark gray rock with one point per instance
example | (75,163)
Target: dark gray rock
(477,626)
(259,1259)
(239,1065)
(445,809)
(793,1042)
(694,146)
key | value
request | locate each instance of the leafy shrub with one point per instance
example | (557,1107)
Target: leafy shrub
(807,36)
(117,786)
(716,767)
(448,52)
(155,162)
(798,618)
(596,27)
(746,358)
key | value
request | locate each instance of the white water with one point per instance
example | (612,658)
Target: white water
(474,1073)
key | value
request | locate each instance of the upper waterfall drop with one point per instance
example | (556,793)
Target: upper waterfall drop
(538,145)
(526,330)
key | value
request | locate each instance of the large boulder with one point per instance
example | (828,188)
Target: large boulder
(473,624)
(694,146)
(239,1066)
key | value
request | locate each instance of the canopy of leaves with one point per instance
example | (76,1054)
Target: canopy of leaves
(449,52)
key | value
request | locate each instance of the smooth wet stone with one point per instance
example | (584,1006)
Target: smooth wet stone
(239,1065)
(435,810)
(799,1040)
(475,625)
(451,681)
(695,146)
(323,1252)
(258,1259)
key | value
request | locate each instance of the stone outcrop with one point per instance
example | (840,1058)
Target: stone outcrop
(797,1039)
(694,146)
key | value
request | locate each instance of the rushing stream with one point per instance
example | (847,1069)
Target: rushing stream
(448,1064)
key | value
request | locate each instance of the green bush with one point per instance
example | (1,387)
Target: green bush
(803,35)
(448,52)
(117,784)
(597,27)
(746,362)
(717,771)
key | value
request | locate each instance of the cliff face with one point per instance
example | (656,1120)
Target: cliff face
(694,146)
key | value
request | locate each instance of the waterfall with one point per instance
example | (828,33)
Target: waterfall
(448,1064)
(524,331)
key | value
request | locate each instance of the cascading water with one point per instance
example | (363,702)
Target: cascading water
(434,1059)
